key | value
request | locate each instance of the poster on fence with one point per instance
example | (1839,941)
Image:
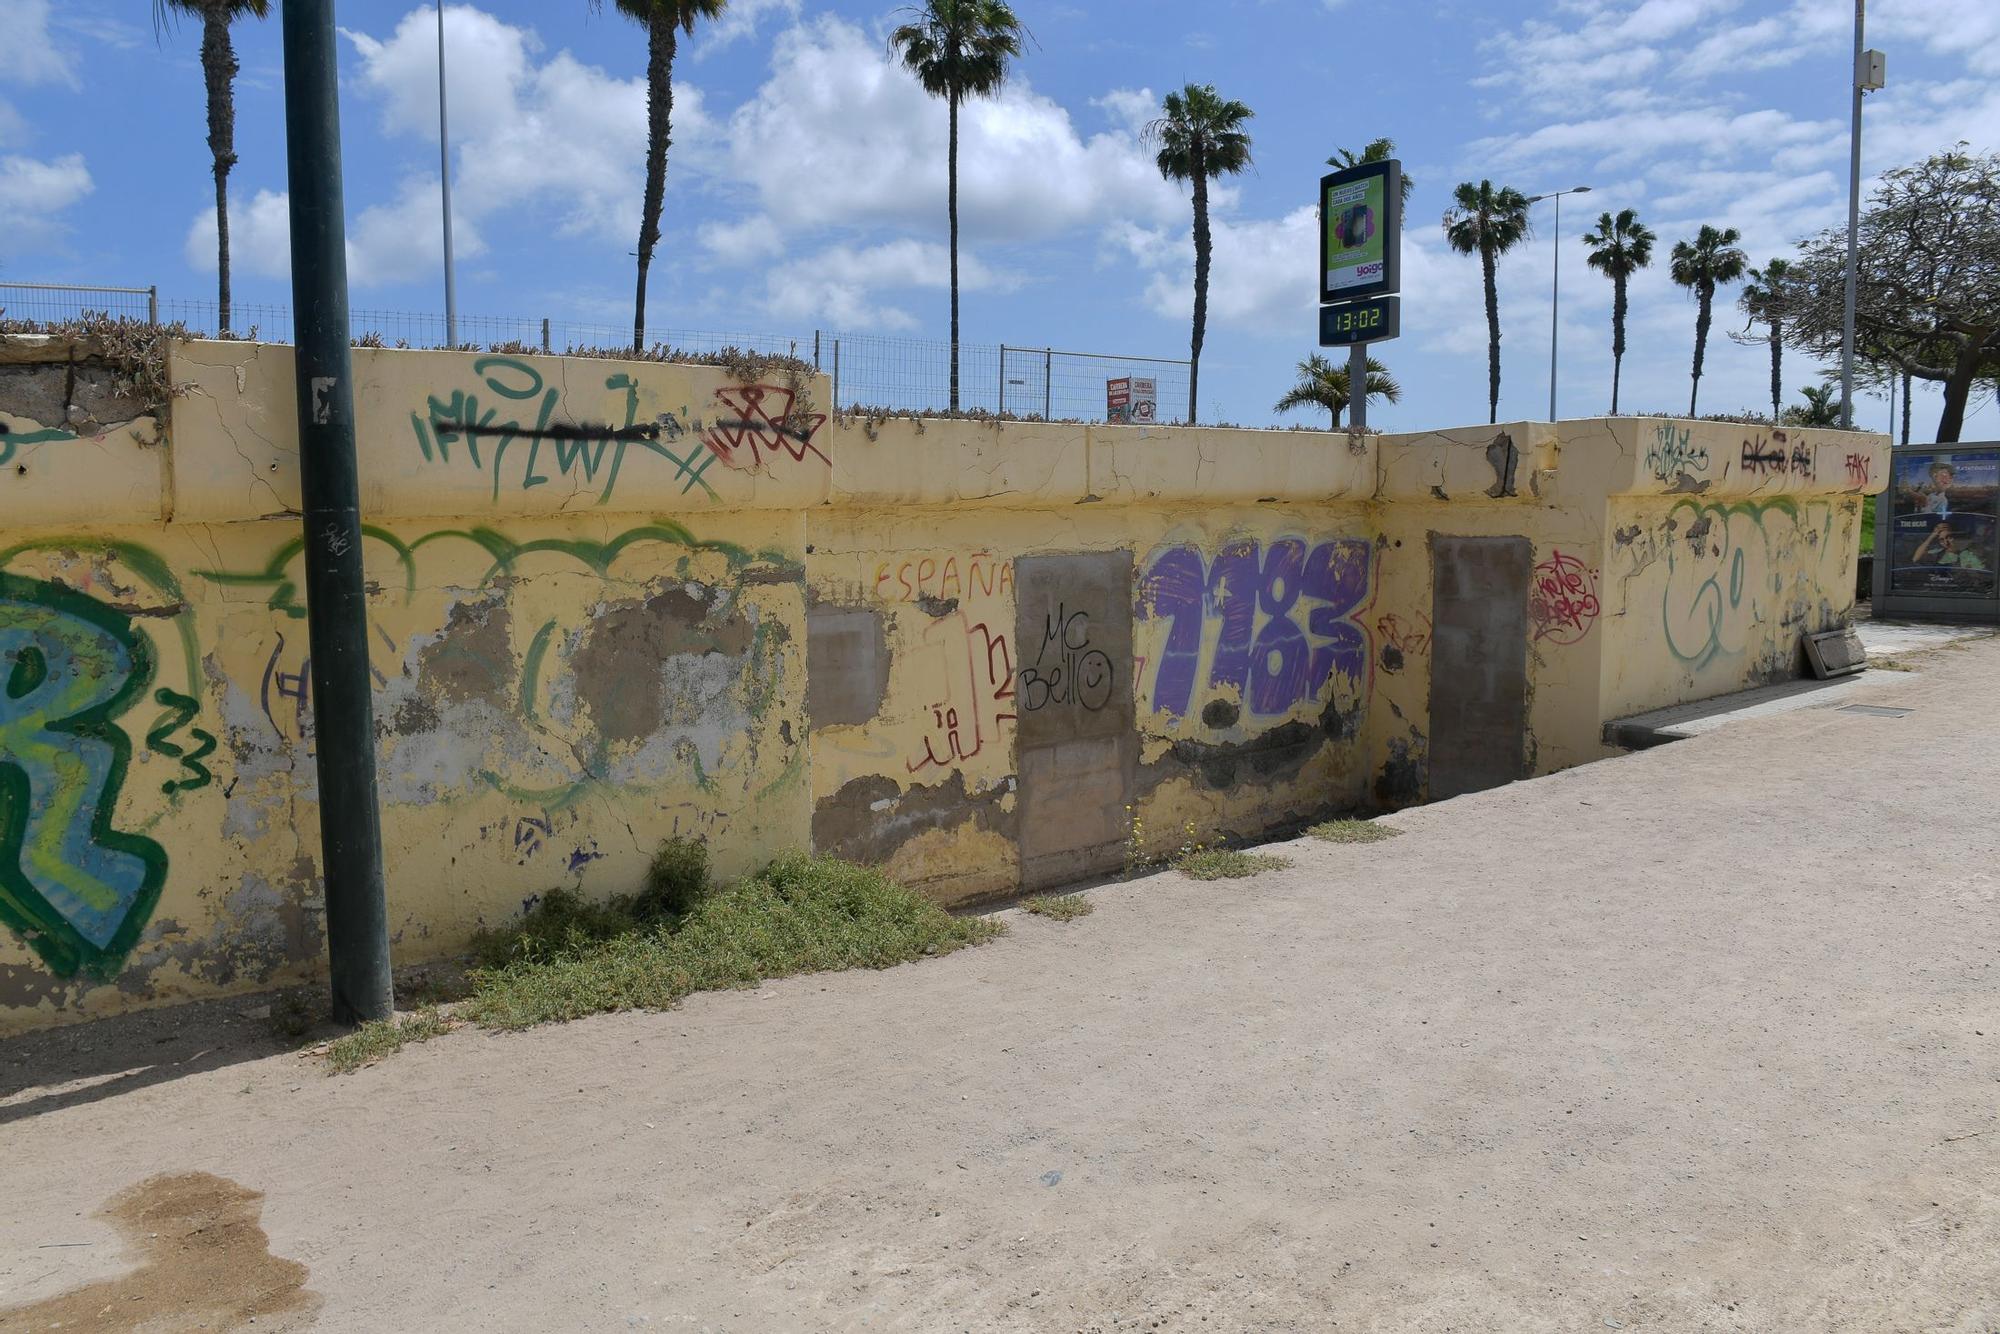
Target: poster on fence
(1943,538)
(1132,399)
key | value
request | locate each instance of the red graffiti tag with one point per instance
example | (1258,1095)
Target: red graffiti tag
(758,420)
(1411,638)
(1860,469)
(1564,603)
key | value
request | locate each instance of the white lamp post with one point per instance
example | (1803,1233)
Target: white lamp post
(1555,287)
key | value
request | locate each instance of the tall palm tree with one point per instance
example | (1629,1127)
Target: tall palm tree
(218,68)
(957,49)
(1324,385)
(1200,136)
(1378,150)
(1763,300)
(664,22)
(1702,265)
(1619,248)
(1488,221)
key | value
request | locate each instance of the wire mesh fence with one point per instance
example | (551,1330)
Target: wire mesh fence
(878,371)
(55,301)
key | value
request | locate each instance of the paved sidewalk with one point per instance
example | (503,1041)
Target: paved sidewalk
(1702,1038)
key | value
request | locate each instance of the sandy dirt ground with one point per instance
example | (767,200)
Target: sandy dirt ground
(1703,1038)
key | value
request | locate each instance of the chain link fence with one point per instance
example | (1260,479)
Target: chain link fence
(878,371)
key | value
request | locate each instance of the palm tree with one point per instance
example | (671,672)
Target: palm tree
(1488,221)
(1378,150)
(1821,408)
(1200,136)
(664,22)
(957,49)
(1702,265)
(1619,248)
(1324,385)
(218,68)
(1763,300)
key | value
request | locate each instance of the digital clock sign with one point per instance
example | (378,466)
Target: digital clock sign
(1352,322)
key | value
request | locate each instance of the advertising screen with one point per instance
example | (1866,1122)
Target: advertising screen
(1360,227)
(1942,532)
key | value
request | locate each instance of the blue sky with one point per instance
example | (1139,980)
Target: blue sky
(806,187)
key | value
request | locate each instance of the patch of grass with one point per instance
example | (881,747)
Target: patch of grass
(1352,831)
(801,914)
(384,1037)
(1226,864)
(1060,907)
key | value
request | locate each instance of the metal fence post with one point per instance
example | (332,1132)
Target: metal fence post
(546,344)
(836,375)
(153,304)
(815,349)
(1048,382)
(1003,379)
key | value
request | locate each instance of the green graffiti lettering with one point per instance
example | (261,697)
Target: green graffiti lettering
(76,889)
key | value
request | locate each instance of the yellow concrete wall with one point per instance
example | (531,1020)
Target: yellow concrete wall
(1726,546)
(612,602)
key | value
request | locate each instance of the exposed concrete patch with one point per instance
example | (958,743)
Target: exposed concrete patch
(79,396)
(870,817)
(471,659)
(847,664)
(619,669)
(1504,459)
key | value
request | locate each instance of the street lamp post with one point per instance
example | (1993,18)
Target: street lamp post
(1868,78)
(444,172)
(1555,286)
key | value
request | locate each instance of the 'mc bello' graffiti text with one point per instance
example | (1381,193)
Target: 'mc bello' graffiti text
(755,425)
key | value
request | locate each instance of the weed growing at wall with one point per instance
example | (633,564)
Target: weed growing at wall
(384,1037)
(801,914)
(1226,864)
(1059,907)
(1352,831)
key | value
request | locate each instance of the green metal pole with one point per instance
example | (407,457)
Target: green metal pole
(357,918)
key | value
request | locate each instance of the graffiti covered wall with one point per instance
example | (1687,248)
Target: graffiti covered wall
(610,602)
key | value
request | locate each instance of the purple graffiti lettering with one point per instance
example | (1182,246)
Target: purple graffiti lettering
(1276,664)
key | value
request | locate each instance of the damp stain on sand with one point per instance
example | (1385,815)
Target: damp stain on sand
(204,1263)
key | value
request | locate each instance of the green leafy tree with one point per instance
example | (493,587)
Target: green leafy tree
(1821,408)
(1927,283)
(218,67)
(1619,248)
(958,49)
(1200,137)
(1378,150)
(1488,220)
(1764,301)
(1702,265)
(664,22)
(1322,384)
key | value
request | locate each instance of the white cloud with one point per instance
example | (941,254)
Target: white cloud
(840,284)
(740,20)
(744,242)
(33,194)
(837,113)
(33,57)
(260,237)
(552,136)
(1131,109)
